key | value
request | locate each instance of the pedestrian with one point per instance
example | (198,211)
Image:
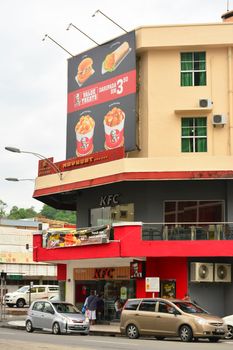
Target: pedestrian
(187,297)
(91,307)
(118,307)
(100,307)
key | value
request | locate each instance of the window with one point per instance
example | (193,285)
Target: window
(166,308)
(38,306)
(193,68)
(41,289)
(194,134)
(132,304)
(147,305)
(53,289)
(194,211)
(48,308)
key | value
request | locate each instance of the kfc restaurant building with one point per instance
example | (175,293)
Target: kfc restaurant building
(149,169)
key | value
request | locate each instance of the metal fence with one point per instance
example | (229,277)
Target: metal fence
(187,231)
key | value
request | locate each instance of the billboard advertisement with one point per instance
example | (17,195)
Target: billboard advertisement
(102,98)
(65,237)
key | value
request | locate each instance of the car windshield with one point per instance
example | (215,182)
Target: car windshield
(190,308)
(23,289)
(66,308)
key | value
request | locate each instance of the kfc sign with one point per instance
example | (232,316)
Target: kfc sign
(109,200)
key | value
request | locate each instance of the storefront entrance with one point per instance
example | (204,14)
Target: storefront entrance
(109,288)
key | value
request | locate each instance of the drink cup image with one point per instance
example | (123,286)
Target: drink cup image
(84,135)
(114,122)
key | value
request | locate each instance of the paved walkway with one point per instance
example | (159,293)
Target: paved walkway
(108,329)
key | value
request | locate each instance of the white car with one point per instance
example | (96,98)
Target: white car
(27,294)
(229,321)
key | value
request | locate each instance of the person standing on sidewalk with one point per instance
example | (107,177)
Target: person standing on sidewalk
(91,307)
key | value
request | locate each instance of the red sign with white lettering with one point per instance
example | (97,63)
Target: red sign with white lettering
(108,90)
(45,167)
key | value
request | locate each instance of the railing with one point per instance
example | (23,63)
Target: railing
(187,231)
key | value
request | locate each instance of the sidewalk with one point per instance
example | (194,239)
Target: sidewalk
(98,329)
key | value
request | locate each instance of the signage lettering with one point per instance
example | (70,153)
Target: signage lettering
(109,200)
(104,273)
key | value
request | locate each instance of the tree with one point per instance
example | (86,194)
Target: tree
(57,214)
(2,209)
(21,213)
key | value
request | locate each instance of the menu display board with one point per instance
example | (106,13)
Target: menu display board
(102,98)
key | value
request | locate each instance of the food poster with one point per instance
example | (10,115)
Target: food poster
(60,238)
(101,98)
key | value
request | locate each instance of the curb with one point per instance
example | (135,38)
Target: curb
(12,326)
(92,332)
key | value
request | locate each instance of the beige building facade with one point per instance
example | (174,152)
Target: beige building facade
(178,182)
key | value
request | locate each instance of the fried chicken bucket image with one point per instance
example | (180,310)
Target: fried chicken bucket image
(114,122)
(113,59)
(85,70)
(84,135)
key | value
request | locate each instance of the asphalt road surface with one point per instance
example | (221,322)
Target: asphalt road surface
(11,339)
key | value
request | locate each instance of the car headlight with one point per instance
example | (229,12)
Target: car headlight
(87,320)
(64,319)
(202,321)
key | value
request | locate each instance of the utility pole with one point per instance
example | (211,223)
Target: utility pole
(2,294)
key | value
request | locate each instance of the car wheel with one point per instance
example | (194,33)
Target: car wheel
(56,328)
(229,334)
(185,333)
(132,331)
(214,340)
(29,327)
(20,303)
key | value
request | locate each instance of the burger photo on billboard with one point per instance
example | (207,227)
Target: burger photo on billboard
(85,70)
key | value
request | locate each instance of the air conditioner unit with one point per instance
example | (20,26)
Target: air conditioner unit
(202,272)
(222,272)
(205,103)
(219,119)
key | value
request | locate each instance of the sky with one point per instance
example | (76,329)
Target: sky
(33,73)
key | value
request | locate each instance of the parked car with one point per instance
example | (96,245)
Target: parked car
(54,297)
(170,318)
(57,317)
(229,322)
(23,296)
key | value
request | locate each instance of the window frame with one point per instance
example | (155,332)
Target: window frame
(193,71)
(195,137)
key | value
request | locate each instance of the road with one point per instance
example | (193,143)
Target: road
(12,339)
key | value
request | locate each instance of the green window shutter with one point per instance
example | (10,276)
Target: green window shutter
(186,79)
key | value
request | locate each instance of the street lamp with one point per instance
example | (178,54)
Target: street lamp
(38,155)
(110,19)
